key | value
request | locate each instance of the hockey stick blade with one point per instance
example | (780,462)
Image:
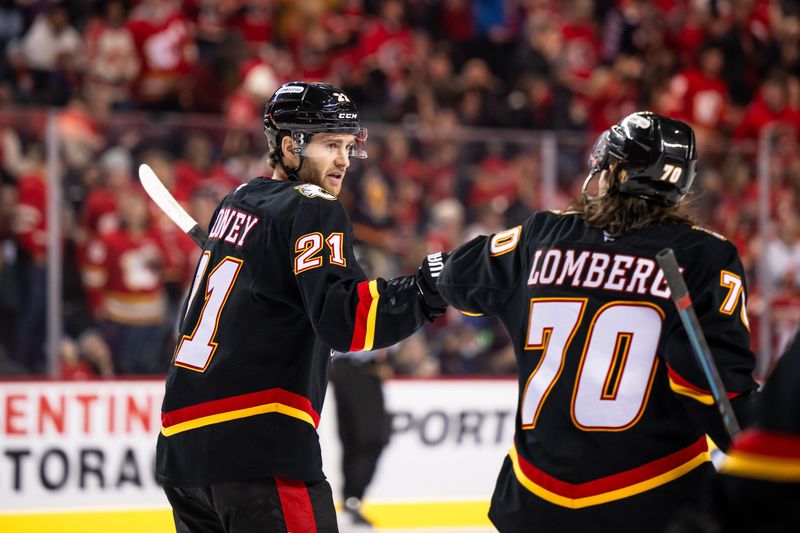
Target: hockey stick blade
(169,205)
(683,302)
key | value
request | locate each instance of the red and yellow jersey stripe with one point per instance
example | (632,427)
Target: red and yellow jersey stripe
(684,388)
(609,488)
(236,407)
(366,314)
(764,455)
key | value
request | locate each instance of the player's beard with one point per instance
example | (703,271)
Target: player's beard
(310,172)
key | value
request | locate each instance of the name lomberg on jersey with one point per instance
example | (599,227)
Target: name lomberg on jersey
(598,270)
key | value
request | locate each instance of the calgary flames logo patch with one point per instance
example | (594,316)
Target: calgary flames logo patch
(314,191)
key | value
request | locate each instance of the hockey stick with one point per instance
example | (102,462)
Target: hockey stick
(170,206)
(683,302)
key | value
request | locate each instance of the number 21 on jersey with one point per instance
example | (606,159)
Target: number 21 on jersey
(196,350)
(617,365)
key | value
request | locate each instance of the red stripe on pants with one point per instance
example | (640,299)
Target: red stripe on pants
(296,505)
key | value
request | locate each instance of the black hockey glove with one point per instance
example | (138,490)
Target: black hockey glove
(433,304)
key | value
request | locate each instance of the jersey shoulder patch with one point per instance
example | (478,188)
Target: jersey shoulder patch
(710,232)
(310,190)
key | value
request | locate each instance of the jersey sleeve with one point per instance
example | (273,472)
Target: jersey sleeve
(480,275)
(348,312)
(719,296)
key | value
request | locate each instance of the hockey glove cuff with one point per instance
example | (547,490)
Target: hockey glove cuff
(432,302)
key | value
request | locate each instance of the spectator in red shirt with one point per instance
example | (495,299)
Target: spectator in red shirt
(702,92)
(769,109)
(127,268)
(99,214)
(246,103)
(254,25)
(29,223)
(387,42)
(581,43)
(165,41)
(197,168)
(112,62)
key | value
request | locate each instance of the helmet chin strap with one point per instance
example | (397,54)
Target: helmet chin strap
(293,172)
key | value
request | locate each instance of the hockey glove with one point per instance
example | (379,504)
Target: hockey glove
(432,302)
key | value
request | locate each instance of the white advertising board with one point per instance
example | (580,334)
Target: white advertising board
(72,445)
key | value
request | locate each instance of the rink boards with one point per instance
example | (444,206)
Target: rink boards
(79,456)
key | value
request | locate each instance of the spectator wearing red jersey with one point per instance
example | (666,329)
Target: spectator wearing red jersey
(246,103)
(99,213)
(581,43)
(29,224)
(494,183)
(770,109)
(197,168)
(343,26)
(701,92)
(164,40)
(457,20)
(387,41)
(112,62)
(127,268)
(254,25)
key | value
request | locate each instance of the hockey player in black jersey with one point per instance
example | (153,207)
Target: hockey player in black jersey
(758,487)
(613,409)
(276,290)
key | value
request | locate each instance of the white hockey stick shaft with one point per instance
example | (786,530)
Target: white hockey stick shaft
(170,206)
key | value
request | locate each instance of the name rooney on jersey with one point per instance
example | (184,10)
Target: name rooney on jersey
(598,270)
(232,226)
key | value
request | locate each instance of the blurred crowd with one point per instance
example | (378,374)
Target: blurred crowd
(456,93)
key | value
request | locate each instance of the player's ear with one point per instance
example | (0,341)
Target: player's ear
(289,157)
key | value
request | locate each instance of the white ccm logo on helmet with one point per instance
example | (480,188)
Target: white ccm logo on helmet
(348,115)
(436,264)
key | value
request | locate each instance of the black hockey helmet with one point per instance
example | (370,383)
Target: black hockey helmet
(657,157)
(302,109)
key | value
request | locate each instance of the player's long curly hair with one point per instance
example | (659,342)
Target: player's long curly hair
(619,214)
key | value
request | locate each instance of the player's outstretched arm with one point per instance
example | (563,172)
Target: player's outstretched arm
(348,311)
(480,275)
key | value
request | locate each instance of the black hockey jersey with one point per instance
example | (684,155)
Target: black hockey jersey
(611,400)
(276,290)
